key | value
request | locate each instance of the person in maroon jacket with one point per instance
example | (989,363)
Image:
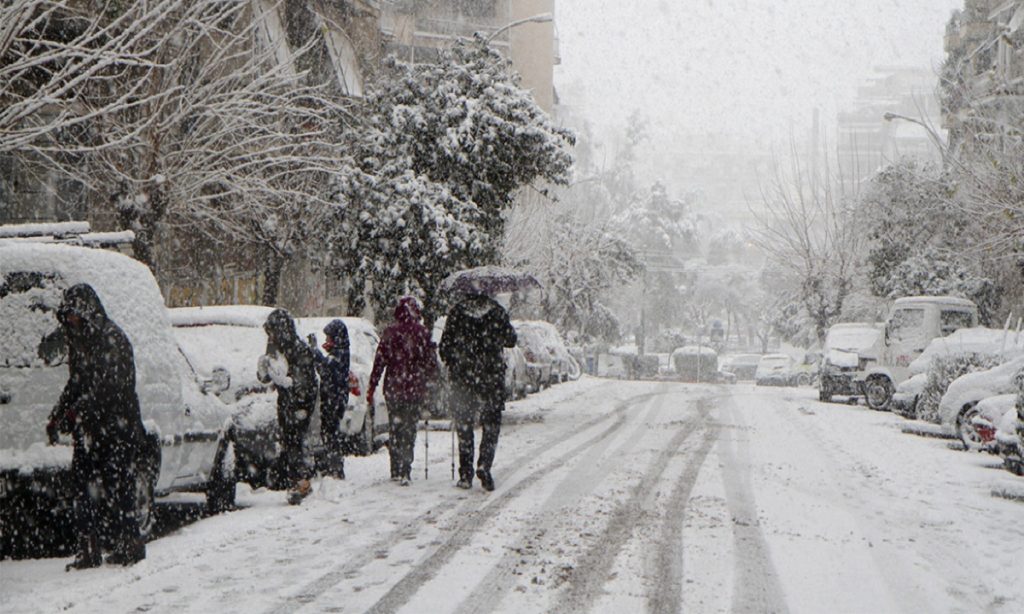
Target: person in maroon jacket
(410,359)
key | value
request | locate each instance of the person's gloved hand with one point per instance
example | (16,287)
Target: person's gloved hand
(52,434)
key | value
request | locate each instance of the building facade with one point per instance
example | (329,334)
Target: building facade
(866,141)
(983,76)
(416,30)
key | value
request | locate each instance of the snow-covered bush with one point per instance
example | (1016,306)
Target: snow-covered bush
(941,373)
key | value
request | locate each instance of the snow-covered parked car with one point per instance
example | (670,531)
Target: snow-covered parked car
(774,370)
(960,403)
(231,338)
(850,348)
(517,379)
(190,447)
(743,366)
(904,400)
(542,344)
(1010,436)
(993,342)
(990,413)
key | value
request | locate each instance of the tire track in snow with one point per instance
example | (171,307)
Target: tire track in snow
(667,595)
(470,522)
(587,579)
(489,592)
(756,586)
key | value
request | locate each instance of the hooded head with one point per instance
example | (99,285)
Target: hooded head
(81,312)
(407,310)
(334,331)
(280,329)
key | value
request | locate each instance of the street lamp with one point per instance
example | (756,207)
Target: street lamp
(936,139)
(538,18)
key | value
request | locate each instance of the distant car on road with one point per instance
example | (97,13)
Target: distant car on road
(774,370)
(699,364)
(743,366)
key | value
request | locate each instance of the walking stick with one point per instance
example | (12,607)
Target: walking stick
(451,427)
(426,449)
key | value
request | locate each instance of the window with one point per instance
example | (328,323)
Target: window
(29,333)
(906,323)
(952,320)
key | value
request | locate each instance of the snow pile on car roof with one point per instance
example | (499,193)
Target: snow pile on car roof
(852,337)
(1005,344)
(227,315)
(694,350)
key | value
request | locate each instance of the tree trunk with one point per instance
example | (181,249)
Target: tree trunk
(272,267)
(355,297)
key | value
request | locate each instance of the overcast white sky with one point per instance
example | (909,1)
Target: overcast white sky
(750,68)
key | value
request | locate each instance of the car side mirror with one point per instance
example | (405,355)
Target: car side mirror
(220,381)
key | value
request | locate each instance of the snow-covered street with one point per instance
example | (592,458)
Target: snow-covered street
(611,496)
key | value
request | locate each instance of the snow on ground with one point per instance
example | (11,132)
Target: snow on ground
(612,496)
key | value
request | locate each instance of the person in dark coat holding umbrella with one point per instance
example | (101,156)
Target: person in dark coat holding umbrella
(333,371)
(407,358)
(288,363)
(100,408)
(475,334)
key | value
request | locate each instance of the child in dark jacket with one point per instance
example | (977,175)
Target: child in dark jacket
(333,369)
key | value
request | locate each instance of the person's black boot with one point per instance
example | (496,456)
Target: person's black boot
(465,480)
(486,481)
(88,556)
(128,553)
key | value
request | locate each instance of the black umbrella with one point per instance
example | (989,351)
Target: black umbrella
(489,280)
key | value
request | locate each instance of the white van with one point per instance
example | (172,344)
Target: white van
(913,322)
(188,448)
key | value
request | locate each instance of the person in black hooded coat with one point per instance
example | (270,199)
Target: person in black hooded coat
(472,347)
(289,364)
(100,408)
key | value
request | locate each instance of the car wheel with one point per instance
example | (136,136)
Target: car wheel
(367,433)
(220,490)
(966,430)
(145,485)
(878,391)
(803,380)
(824,392)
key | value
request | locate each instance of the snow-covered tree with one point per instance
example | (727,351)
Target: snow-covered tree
(448,145)
(173,113)
(578,266)
(919,238)
(655,221)
(807,230)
